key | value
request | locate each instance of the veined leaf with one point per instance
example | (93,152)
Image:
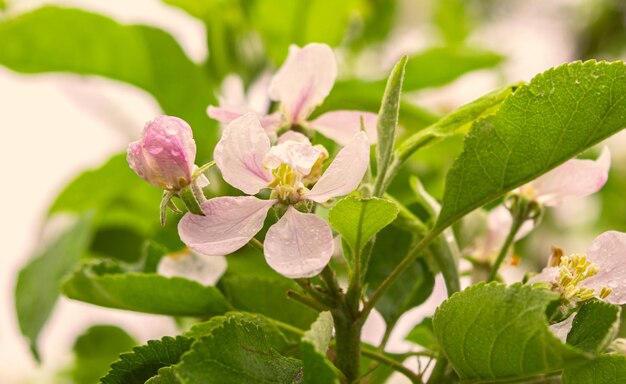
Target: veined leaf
(145,292)
(358,220)
(559,114)
(595,326)
(606,369)
(493,333)
(317,368)
(53,39)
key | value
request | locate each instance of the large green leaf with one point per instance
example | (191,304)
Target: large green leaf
(145,361)
(358,220)
(37,287)
(317,368)
(493,333)
(96,349)
(144,292)
(415,286)
(267,296)
(595,326)
(559,114)
(607,369)
(52,39)
(237,351)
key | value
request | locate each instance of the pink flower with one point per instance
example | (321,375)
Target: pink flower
(299,244)
(300,85)
(165,154)
(575,178)
(601,272)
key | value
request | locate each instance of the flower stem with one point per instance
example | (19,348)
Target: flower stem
(517,224)
(189,198)
(348,342)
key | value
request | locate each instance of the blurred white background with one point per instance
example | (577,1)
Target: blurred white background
(58,125)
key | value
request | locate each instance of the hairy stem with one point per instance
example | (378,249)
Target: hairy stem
(510,238)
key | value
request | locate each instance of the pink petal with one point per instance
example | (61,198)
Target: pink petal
(206,270)
(574,178)
(548,275)
(226,115)
(293,136)
(240,153)
(299,156)
(229,223)
(608,252)
(298,245)
(304,80)
(345,172)
(499,223)
(562,329)
(342,125)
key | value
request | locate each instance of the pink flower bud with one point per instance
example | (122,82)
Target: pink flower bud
(165,154)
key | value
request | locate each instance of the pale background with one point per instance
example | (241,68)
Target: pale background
(57,125)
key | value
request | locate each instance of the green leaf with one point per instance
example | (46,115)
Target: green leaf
(37,287)
(559,114)
(53,39)
(238,351)
(165,375)
(452,18)
(595,326)
(317,368)
(358,220)
(607,369)
(387,123)
(144,292)
(267,296)
(145,361)
(424,335)
(96,349)
(438,66)
(494,333)
(415,286)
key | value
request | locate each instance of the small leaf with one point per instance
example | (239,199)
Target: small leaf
(145,361)
(491,332)
(451,16)
(358,220)
(237,351)
(388,122)
(96,349)
(268,297)
(416,284)
(424,335)
(595,326)
(37,287)
(317,368)
(606,369)
(144,292)
(562,112)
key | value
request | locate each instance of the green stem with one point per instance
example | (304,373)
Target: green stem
(189,198)
(439,371)
(518,220)
(396,365)
(348,343)
(306,300)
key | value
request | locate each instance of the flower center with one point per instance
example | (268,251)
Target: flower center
(573,270)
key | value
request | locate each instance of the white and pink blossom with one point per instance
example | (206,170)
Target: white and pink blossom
(300,85)
(165,154)
(574,178)
(300,244)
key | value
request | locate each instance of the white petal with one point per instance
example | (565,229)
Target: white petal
(342,125)
(304,80)
(240,153)
(233,91)
(206,270)
(258,97)
(345,172)
(548,275)
(298,245)
(229,223)
(293,136)
(561,330)
(299,156)
(577,177)
(608,252)
(499,223)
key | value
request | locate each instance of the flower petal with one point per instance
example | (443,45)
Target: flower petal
(562,329)
(298,245)
(240,153)
(547,275)
(299,156)
(341,126)
(345,172)
(229,223)
(304,80)
(608,252)
(499,222)
(577,177)
(206,270)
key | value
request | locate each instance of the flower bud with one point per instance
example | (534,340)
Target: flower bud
(165,154)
